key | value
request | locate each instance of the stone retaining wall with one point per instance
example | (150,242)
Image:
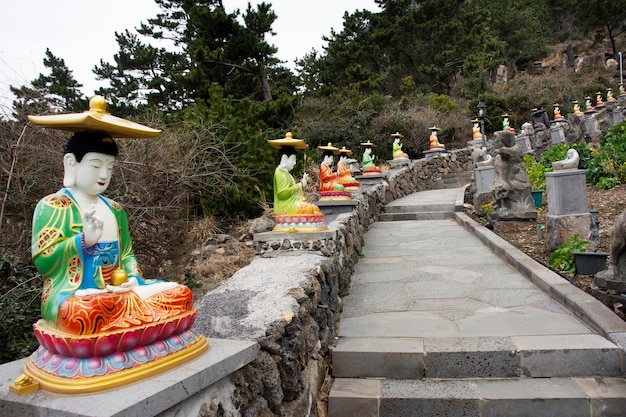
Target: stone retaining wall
(289,300)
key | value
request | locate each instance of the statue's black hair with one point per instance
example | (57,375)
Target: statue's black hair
(81,143)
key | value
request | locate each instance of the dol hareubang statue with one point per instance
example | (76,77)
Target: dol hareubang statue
(103,323)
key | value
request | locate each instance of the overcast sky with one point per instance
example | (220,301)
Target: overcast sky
(82,32)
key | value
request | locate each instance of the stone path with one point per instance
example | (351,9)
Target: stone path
(437,324)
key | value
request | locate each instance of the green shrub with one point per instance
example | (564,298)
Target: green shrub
(563,257)
(606,183)
(20,295)
(610,159)
(536,173)
(442,103)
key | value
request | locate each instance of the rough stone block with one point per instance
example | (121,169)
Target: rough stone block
(567,192)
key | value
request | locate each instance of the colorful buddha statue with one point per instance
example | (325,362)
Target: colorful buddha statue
(506,125)
(330,188)
(291,210)
(367,160)
(103,324)
(433,140)
(398,153)
(476,133)
(344,176)
(599,102)
(557,111)
(588,105)
(576,105)
(620,89)
(609,94)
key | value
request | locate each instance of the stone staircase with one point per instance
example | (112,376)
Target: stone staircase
(567,375)
(454,180)
(401,367)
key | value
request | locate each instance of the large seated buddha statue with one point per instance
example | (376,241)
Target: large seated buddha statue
(330,187)
(103,324)
(344,176)
(291,210)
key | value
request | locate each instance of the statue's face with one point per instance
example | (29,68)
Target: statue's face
(290,162)
(93,173)
(328,159)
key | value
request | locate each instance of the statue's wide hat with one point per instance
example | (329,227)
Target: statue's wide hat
(433,127)
(368,144)
(397,135)
(345,151)
(328,148)
(96,119)
(288,140)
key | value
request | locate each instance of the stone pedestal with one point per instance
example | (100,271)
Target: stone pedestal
(560,228)
(523,141)
(398,163)
(567,207)
(591,124)
(179,388)
(617,116)
(431,153)
(567,192)
(484,177)
(370,179)
(332,209)
(557,135)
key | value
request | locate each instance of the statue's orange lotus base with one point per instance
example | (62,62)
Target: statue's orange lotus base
(75,364)
(374,170)
(335,195)
(351,186)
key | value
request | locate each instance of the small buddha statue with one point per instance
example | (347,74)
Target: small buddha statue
(506,124)
(344,176)
(476,133)
(397,147)
(576,105)
(557,111)
(367,160)
(620,89)
(330,188)
(599,102)
(433,140)
(609,94)
(588,105)
(291,210)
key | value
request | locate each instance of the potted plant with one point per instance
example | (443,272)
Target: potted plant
(590,263)
(536,176)
(563,257)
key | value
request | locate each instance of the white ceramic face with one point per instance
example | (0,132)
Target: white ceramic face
(291,162)
(328,159)
(93,173)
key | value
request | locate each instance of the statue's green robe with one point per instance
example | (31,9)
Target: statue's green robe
(58,254)
(287,192)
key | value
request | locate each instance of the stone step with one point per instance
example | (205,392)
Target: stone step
(419,208)
(484,357)
(554,397)
(433,215)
